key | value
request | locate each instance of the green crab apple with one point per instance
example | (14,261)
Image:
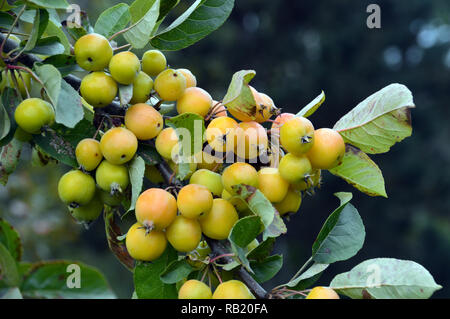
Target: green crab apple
(93,52)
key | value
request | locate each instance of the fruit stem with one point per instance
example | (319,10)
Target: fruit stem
(221,256)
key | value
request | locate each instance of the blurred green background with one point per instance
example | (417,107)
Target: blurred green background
(299,48)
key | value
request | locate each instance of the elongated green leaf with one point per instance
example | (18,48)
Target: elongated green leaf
(8,267)
(148,154)
(53,30)
(190,130)
(380,121)
(51,78)
(341,237)
(65,64)
(4,121)
(10,293)
(69,110)
(261,251)
(361,172)
(312,272)
(48,46)
(239,95)
(125,93)
(39,26)
(147,280)
(113,20)
(51,4)
(9,100)
(59,279)
(144,14)
(386,278)
(176,271)
(266,269)
(10,238)
(312,107)
(202,18)
(136,170)
(9,158)
(6,20)
(5,6)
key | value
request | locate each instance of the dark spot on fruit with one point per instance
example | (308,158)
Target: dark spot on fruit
(90,59)
(159,124)
(175,75)
(123,156)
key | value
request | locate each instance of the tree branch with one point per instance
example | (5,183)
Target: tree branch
(114,108)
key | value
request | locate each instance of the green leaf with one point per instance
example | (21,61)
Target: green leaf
(9,158)
(51,4)
(48,46)
(9,100)
(148,154)
(386,278)
(262,251)
(308,277)
(144,14)
(239,95)
(176,271)
(125,93)
(361,172)
(69,110)
(53,30)
(4,121)
(52,280)
(10,238)
(5,6)
(65,64)
(266,269)
(60,142)
(199,20)
(380,121)
(113,20)
(6,20)
(147,280)
(312,107)
(136,170)
(341,237)
(10,293)
(39,26)
(51,78)
(164,9)
(8,268)
(190,130)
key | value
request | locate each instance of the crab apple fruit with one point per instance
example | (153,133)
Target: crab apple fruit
(112,178)
(232,289)
(239,173)
(322,293)
(265,108)
(76,188)
(109,199)
(194,289)
(118,145)
(98,89)
(290,203)
(191,80)
(93,52)
(194,200)
(328,149)
(144,245)
(312,180)
(144,121)
(153,174)
(194,100)
(89,212)
(170,85)
(218,222)
(297,135)
(219,133)
(156,208)
(293,168)
(209,179)
(153,62)
(250,140)
(88,153)
(32,114)
(124,67)
(272,185)
(279,121)
(184,234)
(165,142)
(142,87)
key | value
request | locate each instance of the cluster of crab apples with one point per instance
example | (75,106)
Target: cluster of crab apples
(281,160)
